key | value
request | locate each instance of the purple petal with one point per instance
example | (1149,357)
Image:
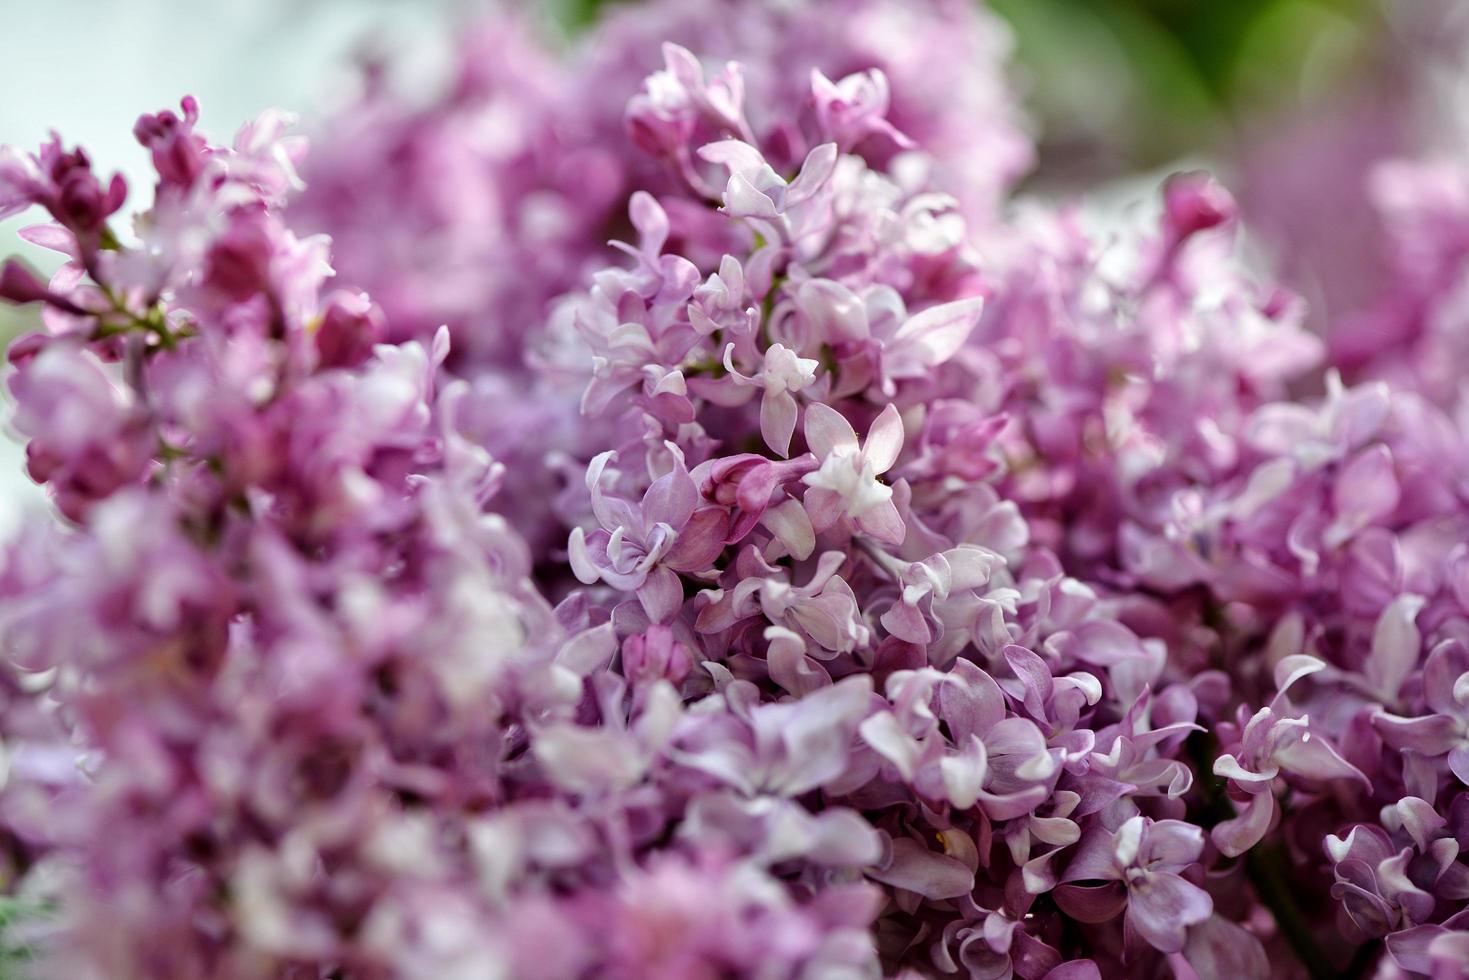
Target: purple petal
(1174,843)
(884,440)
(1459,762)
(964,773)
(1312,756)
(814,734)
(824,507)
(1162,906)
(583,565)
(792,528)
(778,422)
(906,623)
(883,522)
(1218,947)
(1409,947)
(917,869)
(1449,953)
(1396,645)
(1095,858)
(788,664)
(742,199)
(932,337)
(732,154)
(700,541)
(844,839)
(835,313)
(672,497)
(1446,665)
(588,650)
(970,701)
(584,760)
(611,512)
(828,431)
(1431,735)
(650,220)
(661,594)
(1294,667)
(1091,903)
(1019,739)
(1009,806)
(832,621)
(1034,675)
(1365,491)
(755,487)
(886,736)
(1235,836)
(815,171)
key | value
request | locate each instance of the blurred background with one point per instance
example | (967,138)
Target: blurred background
(1291,101)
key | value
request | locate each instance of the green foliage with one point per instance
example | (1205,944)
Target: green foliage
(1155,79)
(16,951)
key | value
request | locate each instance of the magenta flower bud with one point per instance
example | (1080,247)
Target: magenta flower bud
(653,655)
(350,326)
(27,346)
(238,264)
(1195,202)
(77,199)
(18,284)
(178,152)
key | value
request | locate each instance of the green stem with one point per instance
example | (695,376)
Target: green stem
(1265,866)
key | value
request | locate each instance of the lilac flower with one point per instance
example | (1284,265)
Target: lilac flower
(62,183)
(854,108)
(662,118)
(1146,856)
(876,328)
(824,609)
(935,586)
(1271,743)
(846,484)
(997,761)
(1390,878)
(643,547)
(88,437)
(783,373)
(1445,731)
(790,209)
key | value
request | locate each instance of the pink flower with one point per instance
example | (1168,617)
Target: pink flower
(783,373)
(854,108)
(846,485)
(642,547)
(1271,743)
(1147,856)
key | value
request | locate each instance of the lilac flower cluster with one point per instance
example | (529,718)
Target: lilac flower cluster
(503,188)
(847,580)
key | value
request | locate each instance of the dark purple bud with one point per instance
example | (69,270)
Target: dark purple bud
(238,265)
(18,284)
(178,152)
(79,201)
(1195,202)
(350,327)
(26,347)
